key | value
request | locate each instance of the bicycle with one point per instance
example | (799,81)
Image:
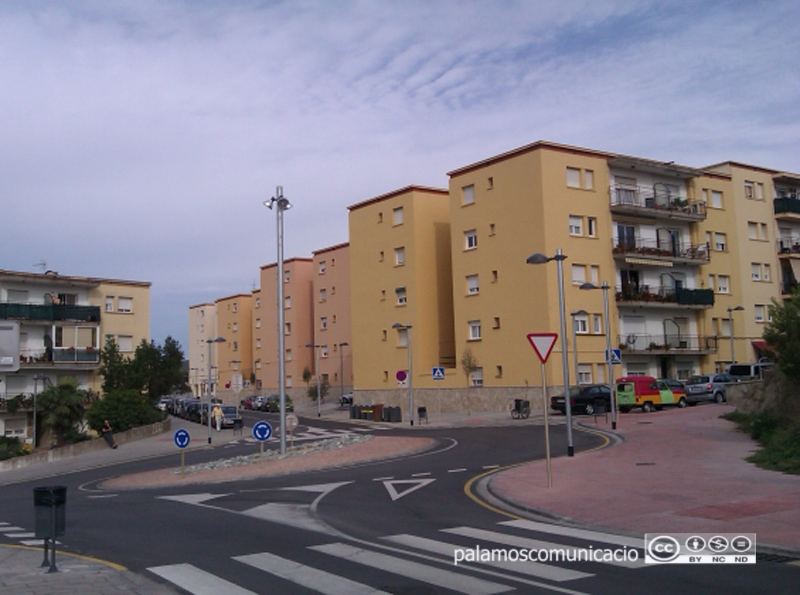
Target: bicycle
(521,409)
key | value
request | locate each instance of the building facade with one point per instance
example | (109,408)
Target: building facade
(202,327)
(235,353)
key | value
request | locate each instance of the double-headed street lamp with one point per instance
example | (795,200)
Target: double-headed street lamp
(407,328)
(208,391)
(283,204)
(731,310)
(609,377)
(539,258)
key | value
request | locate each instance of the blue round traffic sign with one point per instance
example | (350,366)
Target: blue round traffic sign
(182,438)
(262,431)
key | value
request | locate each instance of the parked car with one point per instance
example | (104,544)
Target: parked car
(273,404)
(584,399)
(192,411)
(163,403)
(231,413)
(707,387)
(259,403)
(678,389)
(248,402)
(645,392)
(749,371)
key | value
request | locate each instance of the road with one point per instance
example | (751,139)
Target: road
(391,526)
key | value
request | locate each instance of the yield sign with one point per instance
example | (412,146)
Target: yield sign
(543,344)
(414,483)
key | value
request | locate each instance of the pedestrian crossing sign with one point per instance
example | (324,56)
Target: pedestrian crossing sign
(438,373)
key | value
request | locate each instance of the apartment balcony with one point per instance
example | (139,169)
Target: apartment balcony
(651,252)
(645,201)
(49,312)
(661,344)
(789,247)
(665,297)
(59,357)
(787,208)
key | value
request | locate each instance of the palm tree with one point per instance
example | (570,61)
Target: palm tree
(61,407)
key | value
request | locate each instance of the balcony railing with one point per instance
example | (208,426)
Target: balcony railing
(666,295)
(787,205)
(664,251)
(789,245)
(654,201)
(49,312)
(678,344)
(59,355)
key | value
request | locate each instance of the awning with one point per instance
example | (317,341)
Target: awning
(645,261)
(795,268)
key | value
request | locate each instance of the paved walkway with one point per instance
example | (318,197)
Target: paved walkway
(674,470)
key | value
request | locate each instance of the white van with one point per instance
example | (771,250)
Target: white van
(749,371)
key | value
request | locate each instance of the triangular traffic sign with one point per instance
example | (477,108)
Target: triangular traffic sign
(543,344)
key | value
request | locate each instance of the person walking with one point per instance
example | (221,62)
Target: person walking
(218,415)
(107,434)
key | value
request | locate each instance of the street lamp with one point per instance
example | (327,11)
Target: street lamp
(208,392)
(731,310)
(539,258)
(573,314)
(407,328)
(341,369)
(283,204)
(316,373)
(609,377)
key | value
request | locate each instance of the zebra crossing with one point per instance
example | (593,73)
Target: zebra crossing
(20,534)
(313,433)
(407,560)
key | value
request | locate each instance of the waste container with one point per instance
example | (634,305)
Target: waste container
(353,409)
(49,505)
(397,415)
(377,412)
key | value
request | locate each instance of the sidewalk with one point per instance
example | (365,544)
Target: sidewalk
(679,470)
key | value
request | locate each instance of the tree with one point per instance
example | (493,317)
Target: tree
(324,387)
(114,367)
(782,334)
(61,407)
(307,376)
(469,363)
(124,409)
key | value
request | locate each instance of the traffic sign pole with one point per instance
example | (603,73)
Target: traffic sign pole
(546,427)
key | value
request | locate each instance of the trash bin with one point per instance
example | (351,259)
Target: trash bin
(397,415)
(49,505)
(353,409)
(377,412)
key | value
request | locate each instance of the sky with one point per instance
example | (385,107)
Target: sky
(140,138)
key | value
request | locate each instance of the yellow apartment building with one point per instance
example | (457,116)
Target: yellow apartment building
(332,318)
(234,355)
(54,326)
(202,327)
(298,331)
(401,292)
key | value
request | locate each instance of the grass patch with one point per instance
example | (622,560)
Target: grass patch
(780,440)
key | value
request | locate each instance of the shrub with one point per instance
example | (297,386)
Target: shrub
(11,447)
(124,409)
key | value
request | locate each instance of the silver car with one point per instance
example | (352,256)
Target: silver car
(707,387)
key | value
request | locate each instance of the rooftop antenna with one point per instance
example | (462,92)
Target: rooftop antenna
(42,264)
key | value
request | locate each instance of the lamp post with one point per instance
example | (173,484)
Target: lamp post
(539,258)
(341,369)
(609,376)
(407,328)
(208,388)
(283,204)
(731,310)
(573,314)
(316,373)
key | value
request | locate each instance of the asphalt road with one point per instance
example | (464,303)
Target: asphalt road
(390,526)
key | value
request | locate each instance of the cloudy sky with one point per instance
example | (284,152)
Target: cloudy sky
(140,138)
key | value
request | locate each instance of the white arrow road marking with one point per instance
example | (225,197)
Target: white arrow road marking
(417,484)
(322,488)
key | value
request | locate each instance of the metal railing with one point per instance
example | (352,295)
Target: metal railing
(664,294)
(49,312)
(647,197)
(665,343)
(654,248)
(788,244)
(786,205)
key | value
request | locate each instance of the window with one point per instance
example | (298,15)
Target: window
(236,345)
(323,351)
(399,256)
(258,342)
(477,377)
(767,273)
(288,355)
(235,327)
(598,324)
(287,275)
(763,235)
(492,229)
(588,179)
(323,322)
(575,225)
(499,372)
(749,190)
(496,322)
(573,177)
(323,295)
(125,343)
(287,328)
(584,373)
(474,330)
(288,382)
(591,227)
(578,274)
(472,284)
(470,239)
(398,215)
(581,324)
(490,183)
(380,217)
(258,323)
(235,306)
(723,284)
(758,309)
(125,304)
(755,271)
(721,242)
(401,295)
(287,302)
(716,199)
(468,195)
(494,276)
(402,337)
(752,230)
(704,196)
(110,304)
(323,266)
(759,191)
(594,274)
(380,256)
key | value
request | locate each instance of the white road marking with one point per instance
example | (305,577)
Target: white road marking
(574,532)
(196,581)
